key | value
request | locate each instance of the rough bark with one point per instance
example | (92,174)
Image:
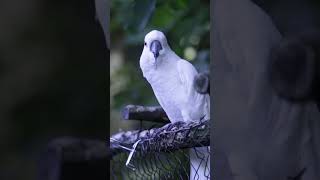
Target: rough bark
(145,113)
(170,137)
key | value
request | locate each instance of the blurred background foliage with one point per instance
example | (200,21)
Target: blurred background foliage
(186,24)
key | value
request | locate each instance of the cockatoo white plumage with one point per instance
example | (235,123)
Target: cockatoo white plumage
(171,79)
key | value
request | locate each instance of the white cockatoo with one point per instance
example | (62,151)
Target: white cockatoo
(171,79)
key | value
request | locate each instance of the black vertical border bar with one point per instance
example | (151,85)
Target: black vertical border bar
(103,15)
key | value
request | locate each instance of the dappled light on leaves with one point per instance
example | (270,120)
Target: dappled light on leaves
(190,53)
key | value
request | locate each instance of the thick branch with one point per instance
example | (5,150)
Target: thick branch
(145,113)
(172,136)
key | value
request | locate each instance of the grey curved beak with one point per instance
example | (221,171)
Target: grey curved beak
(155,47)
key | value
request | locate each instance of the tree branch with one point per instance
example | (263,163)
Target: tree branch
(172,136)
(145,113)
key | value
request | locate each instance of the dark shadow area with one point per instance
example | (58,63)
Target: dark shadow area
(259,131)
(53,80)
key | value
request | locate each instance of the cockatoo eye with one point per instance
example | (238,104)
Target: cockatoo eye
(145,43)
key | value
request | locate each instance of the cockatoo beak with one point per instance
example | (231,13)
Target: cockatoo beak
(155,48)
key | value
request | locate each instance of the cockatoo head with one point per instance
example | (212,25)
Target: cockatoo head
(155,46)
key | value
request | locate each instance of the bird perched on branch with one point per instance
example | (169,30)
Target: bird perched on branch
(172,81)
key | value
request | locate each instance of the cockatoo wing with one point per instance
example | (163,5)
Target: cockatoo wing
(187,73)
(172,111)
(199,168)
